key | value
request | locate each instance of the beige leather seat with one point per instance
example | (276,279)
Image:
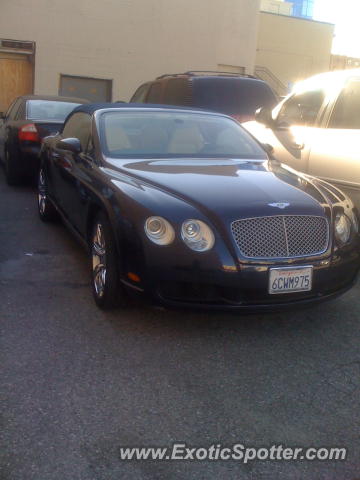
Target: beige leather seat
(154,139)
(186,139)
(116,138)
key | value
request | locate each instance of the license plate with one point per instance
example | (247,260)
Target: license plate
(287,280)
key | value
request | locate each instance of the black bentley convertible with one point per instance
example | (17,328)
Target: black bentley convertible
(186,208)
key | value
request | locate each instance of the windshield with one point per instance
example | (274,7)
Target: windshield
(48,110)
(174,134)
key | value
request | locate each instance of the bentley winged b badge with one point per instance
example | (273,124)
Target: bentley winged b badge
(281,205)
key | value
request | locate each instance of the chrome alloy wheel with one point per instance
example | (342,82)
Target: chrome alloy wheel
(42,193)
(99,260)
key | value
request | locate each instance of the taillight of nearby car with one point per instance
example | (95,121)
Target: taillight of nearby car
(29,133)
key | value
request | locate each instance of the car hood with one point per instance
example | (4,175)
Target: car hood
(230,187)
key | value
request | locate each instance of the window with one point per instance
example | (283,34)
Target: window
(97,90)
(308,8)
(232,95)
(302,8)
(302,108)
(90,149)
(49,110)
(155,93)
(346,110)
(11,112)
(21,113)
(168,135)
(78,126)
(140,94)
(178,92)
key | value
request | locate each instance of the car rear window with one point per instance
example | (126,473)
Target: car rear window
(233,96)
(175,134)
(48,110)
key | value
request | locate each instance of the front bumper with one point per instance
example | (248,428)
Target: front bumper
(245,286)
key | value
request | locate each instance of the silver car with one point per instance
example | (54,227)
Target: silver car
(316,129)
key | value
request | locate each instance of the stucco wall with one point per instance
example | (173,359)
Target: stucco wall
(293,48)
(131,41)
(276,6)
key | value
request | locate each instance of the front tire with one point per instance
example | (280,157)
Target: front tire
(47,211)
(105,272)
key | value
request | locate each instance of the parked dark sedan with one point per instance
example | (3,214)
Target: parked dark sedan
(185,207)
(28,120)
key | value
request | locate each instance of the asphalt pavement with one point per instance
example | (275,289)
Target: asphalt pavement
(78,383)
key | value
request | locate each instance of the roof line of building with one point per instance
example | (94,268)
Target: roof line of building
(297,18)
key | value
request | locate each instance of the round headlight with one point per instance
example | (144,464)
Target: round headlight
(159,230)
(197,235)
(342,228)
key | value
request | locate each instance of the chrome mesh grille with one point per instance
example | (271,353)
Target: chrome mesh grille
(281,236)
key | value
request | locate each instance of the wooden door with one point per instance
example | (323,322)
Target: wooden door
(16,78)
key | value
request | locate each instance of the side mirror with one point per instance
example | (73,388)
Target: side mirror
(263,115)
(72,145)
(2,115)
(269,149)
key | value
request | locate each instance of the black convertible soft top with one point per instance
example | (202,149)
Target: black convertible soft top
(90,108)
(55,98)
(93,107)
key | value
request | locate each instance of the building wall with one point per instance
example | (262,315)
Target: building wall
(130,41)
(293,48)
(276,6)
(342,62)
